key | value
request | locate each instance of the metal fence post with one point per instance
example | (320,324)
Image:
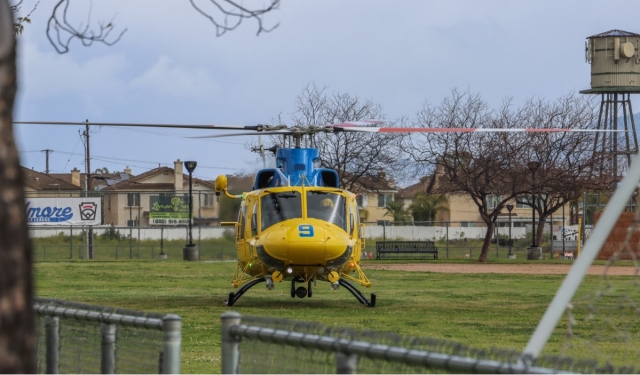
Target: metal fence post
(171,329)
(108,362)
(346,363)
(52,323)
(447,240)
(230,344)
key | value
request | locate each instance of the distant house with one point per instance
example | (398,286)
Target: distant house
(38,184)
(373,199)
(407,196)
(135,201)
(98,180)
(464,212)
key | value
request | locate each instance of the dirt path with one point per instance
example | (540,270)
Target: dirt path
(532,269)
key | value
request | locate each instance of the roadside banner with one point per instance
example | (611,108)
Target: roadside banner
(168,210)
(64,211)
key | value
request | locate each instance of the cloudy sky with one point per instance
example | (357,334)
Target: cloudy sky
(170,67)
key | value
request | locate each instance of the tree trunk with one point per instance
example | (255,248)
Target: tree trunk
(487,242)
(540,230)
(17,332)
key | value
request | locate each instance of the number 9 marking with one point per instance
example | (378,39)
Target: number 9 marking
(306,230)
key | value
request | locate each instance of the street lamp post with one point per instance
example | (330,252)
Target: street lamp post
(509,208)
(190,251)
(533,167)
(563,224)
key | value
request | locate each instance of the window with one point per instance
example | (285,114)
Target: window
(133,199)
(277,207)
(362,200)
(132,223)
(384,199)
(468,224)
(525,201)
(521,203)
(492,201)
(208,200)
(330,207)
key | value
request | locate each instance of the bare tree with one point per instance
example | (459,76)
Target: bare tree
(17,331)
(359,158)
(225,15)
(566,160)
(19,22)
(491,169)
(479,166)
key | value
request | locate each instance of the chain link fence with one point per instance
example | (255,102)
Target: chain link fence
(254,345)
(133,228)
(87,339)
(216,243)
(109,243)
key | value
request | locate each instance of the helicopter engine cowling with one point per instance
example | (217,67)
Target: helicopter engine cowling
(307,242)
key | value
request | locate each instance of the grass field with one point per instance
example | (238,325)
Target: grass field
(479,310)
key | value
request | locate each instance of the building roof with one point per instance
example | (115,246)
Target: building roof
(381,184)
(613,33)
(46,182)
(98,180)
(424,185)
(137,182)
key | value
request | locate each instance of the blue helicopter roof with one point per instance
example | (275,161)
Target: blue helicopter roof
(296,167)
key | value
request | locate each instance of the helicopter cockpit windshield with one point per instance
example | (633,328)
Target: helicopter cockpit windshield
(277,207)
(327,206)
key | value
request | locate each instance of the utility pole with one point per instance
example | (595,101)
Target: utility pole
(47,153)
(87,187)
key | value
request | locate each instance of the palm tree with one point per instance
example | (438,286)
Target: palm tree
(397,211)
(425,207)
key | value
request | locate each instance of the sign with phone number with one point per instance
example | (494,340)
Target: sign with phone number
(156,221)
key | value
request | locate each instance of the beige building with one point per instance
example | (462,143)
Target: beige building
(373,200)
(129,202)
(464,212)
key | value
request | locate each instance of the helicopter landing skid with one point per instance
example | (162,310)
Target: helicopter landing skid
(356,293)
(233,297)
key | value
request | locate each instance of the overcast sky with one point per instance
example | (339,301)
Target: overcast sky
(170,67)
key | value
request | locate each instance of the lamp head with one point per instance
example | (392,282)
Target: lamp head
(190,165)
(509,207)
(533,165)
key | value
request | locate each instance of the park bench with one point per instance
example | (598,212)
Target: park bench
(400,249)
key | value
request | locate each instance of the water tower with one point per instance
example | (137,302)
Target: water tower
(615,75)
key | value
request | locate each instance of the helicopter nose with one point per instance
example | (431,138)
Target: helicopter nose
(307,243)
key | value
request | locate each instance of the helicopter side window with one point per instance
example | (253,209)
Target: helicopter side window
(241,215)
(327,206)
(254,220)
(278,207)
(351,220)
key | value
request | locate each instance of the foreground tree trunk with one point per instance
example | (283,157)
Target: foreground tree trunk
(17,332)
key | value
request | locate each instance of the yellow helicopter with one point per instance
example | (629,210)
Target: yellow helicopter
(297,224)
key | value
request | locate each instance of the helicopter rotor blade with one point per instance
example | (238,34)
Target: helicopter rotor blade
(349,124)
(264,132)
(472,130)
(173,126)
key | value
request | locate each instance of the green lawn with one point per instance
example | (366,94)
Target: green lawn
(479,310)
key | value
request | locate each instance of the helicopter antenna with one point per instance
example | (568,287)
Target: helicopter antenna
(264,162)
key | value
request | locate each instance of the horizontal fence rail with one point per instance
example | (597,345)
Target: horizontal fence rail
(253,344)
(218,244)
(82,338)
